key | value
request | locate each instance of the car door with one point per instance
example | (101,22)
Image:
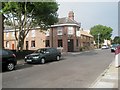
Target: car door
(54,53)
(48,54)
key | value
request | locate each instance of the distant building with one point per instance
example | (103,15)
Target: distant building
(107,42)
(86,39)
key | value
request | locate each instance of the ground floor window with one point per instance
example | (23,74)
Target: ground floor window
(7,44)
(33,43)
(60,44)
(47,43)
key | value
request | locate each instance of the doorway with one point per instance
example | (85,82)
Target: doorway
(70,45)
(13,46)
(26,45)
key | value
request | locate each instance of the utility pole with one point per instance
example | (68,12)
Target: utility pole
(98,39)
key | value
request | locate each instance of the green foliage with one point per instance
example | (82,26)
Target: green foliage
(103,31)
(27,15)
(116,40)
(43,14)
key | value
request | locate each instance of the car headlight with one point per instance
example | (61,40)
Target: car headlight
(36,57)
(25,57)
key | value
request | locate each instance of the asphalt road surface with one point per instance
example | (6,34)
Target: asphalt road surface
(73,71)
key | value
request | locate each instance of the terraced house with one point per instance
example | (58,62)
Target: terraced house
(35,39)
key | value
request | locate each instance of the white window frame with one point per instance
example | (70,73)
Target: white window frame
(7,34)
(13,34)
(70,30)
(59,31)
(33,33)
(47,33)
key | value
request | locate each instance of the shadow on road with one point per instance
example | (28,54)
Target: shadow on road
(24,65)
(18,67)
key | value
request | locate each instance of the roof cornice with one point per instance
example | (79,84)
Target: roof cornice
(68,24)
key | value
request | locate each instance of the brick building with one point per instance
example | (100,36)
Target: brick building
(66,34)
(34,39)
(86,40)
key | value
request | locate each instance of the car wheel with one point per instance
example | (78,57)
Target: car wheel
(42,60)
(58,58)
(10,66)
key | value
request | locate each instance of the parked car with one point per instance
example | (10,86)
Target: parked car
(104,47)
(43,55)
(114,47)
(8,59)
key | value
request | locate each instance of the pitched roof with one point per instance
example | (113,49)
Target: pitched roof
(66,21)
(85,33)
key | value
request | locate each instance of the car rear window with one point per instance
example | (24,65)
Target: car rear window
(3,52)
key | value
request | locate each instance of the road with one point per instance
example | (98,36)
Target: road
(73,71)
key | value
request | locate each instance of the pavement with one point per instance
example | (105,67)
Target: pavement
(108,79)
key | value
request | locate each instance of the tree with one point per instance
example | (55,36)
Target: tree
(104,32)
(116,40)
(26,15)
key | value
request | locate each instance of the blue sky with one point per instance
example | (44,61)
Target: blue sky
(92,13)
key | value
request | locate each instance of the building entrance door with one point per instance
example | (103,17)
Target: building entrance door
(70,45)
(12,46)
(26,45)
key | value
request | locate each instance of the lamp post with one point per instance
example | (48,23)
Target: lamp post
(98,39)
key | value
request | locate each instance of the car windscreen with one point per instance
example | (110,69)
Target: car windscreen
(40,51)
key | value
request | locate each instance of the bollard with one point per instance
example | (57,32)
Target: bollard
(117,56)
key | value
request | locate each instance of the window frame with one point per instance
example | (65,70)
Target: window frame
(60,43)
(33,43)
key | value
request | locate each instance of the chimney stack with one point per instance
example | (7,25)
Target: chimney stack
(71,15)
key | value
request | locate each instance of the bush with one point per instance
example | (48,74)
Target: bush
(84,48)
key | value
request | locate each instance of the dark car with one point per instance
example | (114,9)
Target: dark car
(114,47)
(7,59)
(43,55)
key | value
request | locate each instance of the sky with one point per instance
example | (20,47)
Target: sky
(91,13)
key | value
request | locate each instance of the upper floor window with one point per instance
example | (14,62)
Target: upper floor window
(59,30)
(70,30)
(7,34)
(77,29)
(47,33)
(13,34)
(33,33)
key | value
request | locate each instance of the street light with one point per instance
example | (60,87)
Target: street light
(98,39)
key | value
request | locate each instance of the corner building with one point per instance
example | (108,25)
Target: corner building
(65,34)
